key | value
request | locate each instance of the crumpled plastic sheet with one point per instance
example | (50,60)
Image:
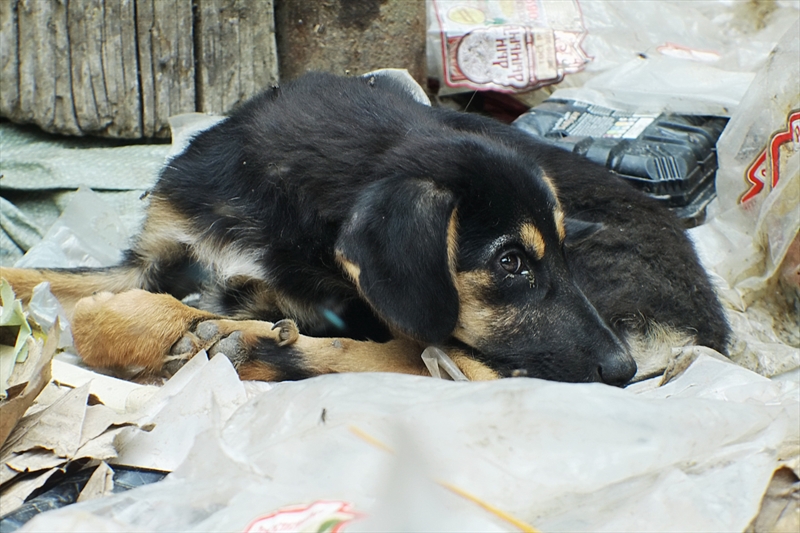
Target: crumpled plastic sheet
(89,233)
(420,454)
(692,58)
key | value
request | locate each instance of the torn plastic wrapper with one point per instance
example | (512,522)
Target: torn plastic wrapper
(674,56)
(751,242)
(436,360)
(503,46)
(46,311)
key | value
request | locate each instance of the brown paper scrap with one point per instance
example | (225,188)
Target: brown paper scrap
(100,484)
(57,428)
(31,377)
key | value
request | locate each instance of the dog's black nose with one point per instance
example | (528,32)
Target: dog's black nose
(617,369)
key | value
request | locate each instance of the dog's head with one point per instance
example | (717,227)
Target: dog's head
(461,243)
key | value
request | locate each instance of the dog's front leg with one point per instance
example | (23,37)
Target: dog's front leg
(313,356)
(141,330)
(132,330)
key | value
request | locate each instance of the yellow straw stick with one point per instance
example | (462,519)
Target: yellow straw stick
(360,433)
(522,526)
(519,524)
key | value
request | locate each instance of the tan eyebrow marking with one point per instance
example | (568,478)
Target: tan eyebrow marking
(549,182)
(532,238)
(558,213)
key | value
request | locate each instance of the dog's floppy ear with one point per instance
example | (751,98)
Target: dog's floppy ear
(579,230)
(399,247)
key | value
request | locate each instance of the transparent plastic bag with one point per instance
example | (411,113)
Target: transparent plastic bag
(89,233)
(661,55)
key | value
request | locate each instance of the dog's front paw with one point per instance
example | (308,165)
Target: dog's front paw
(234,338)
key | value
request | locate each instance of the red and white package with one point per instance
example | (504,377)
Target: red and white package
(506,45)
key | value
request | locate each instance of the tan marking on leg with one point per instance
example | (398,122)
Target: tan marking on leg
(328,355)
(474,370)
(252,330)
(323,355)
(257,371)
(164,232)
(167,233)
(133,328)
(532,239)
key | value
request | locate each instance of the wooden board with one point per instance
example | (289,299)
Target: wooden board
(166,59)
(121,68)
(237,52)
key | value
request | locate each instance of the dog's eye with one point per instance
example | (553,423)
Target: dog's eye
(513,263)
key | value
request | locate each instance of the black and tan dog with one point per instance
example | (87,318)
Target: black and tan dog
(379,225)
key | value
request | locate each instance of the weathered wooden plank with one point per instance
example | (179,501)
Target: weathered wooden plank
(64,117)
(166,62)
(26,19)
(121,68)
(122,76)
(44,86)
(9,59)
(144,51)
(238,57)
(44,97)
(89,92)
(32,17)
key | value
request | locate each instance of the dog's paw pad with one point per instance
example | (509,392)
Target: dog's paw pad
(288,332)
(188,344)
(199,338)
(175,362)
(207,330)
(231,346)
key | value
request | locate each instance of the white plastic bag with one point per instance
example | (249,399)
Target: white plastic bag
(386,452)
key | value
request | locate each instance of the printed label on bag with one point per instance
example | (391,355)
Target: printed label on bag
(318,517)
(509,45)
(766,167)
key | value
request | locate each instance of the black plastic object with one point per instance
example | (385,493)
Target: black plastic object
(670,157)
(66,490)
